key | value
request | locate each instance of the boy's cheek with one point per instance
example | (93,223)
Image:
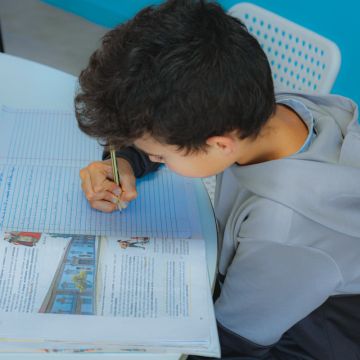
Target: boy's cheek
(176,168)
(188,171)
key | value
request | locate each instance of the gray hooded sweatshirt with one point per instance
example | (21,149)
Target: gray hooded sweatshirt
(290,228)
(289,240)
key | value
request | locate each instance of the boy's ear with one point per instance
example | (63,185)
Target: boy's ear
(225,143)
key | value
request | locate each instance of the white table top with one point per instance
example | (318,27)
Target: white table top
(28,84)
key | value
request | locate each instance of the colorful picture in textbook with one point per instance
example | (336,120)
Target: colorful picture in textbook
(94,275)
(22,238)
(73,289)
(139,242)
(71,283)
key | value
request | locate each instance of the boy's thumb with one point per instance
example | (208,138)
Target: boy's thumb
(128,185)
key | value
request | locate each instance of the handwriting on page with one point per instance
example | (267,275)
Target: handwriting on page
(40,186)
(46,198)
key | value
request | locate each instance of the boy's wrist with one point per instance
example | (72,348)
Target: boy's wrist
(123,157)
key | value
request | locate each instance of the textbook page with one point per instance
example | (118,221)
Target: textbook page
(41,153)
(81,292)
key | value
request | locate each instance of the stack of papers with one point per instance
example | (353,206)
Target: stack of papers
(75,279)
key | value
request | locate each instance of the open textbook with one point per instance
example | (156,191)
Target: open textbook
(75,279)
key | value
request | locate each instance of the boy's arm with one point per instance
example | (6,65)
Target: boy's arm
(139,161)
(268,288)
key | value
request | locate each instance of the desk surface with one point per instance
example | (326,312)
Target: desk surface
(27,84)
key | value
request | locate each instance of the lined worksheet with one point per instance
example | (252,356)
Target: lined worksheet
(44,137)
(41,153)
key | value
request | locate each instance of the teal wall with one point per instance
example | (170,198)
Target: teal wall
(336,20)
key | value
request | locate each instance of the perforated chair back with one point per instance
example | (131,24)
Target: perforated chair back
(300,59)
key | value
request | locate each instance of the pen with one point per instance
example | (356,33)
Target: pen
(121,205)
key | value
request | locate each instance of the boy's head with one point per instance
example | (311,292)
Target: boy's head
(181,73)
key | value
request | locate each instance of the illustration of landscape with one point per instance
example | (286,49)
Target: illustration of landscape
(73,290)
(71,285)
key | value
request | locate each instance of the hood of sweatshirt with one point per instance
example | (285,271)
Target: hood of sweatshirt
(322,183)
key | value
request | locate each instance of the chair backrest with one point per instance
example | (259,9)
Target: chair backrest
(1,41)
(300,59)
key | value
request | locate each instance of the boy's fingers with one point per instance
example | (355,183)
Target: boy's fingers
(128,196)
(94,175)
(128,185)
(104,206)
(86,182)
(104,201)
(100,182)
(101,192)
(102,196)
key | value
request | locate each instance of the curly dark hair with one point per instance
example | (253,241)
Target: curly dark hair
(181,72)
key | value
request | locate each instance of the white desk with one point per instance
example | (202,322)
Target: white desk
(27,84)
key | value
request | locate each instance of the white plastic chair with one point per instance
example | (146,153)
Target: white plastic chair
(300,59)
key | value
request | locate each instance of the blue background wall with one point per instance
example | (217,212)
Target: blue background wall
(336,20)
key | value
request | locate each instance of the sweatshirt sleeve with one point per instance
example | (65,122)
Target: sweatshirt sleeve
(268,288)
(139,161)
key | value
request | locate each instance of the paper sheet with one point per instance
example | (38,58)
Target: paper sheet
(40,186)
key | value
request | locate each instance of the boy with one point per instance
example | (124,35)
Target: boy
(186,85)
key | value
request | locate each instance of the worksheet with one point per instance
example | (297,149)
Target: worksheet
(41,153)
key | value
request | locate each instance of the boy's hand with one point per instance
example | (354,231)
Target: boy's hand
(101,192)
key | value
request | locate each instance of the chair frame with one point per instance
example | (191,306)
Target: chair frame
(1,41)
